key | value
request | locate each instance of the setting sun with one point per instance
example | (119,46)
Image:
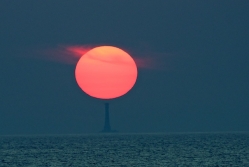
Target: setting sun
(106,72)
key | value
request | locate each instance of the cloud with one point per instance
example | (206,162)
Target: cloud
(70,54)
(154,60)
(64,53)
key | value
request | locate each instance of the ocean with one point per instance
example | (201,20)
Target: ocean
(105,150)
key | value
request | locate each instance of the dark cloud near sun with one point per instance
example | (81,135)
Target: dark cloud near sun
(70,54)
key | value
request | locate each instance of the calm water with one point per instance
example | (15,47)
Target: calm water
(173,150)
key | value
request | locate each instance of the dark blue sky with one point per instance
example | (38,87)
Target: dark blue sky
(199,82)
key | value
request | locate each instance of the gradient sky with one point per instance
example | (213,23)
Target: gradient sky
(198,81)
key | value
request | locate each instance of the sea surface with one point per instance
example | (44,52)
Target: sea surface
(167,150)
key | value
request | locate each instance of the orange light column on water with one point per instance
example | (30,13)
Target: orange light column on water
(106,72)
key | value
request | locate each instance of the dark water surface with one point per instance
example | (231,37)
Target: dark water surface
(172,150)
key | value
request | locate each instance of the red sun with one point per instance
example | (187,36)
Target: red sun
(106,72)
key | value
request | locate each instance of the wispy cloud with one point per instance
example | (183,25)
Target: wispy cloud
(70,54)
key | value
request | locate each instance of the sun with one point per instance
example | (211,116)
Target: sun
(106,72)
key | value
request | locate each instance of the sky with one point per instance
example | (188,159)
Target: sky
(193,76)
